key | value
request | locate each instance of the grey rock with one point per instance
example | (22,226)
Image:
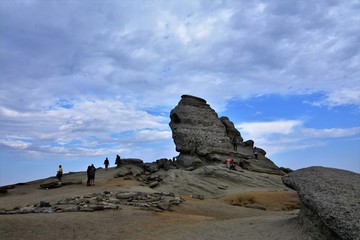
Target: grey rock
(201,137)
(27,209)
(122,172)
(163,205)
(231,131)
(153,184)
(136,170)
(96,207)
(249,143)
(112,206)
(151,167)
(222,187)
(198,196)
(132,161)
(44,204)
(51,185)
(329,199)
(125,195)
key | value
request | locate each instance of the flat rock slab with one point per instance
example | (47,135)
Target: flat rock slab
(331,194)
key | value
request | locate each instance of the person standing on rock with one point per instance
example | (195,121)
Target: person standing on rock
(92,175)
(228,161)
(106,163)
(232,165)
(59,173)
(234,143)
(255,152)
(117,161)
(88,172)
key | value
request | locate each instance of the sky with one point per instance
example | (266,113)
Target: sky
(84,80)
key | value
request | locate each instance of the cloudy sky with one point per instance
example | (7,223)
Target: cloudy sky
(84,80)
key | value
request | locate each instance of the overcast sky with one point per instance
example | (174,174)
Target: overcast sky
(88,79)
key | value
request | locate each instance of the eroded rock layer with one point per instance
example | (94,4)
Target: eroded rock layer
(201,136)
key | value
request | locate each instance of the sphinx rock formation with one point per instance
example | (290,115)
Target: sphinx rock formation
(202,137)
(330,202)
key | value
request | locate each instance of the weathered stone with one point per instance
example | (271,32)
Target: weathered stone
(329,201)
(201,136)
(249,143)
(44,204)
(125,195)
(197,129)
(153,184)
(231,131)
(151,167)
(132,161)
(97,202)
(286,170)
(96,207)
(261,151)
(27,209)
(86,209)
(122,172)
(222,187)
(163,205)
(136,170)
(51,185)
(112,206)
(198,196)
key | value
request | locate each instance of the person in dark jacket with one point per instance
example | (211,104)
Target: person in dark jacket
(106,163)
(88,175)
(92,175)
(117,161)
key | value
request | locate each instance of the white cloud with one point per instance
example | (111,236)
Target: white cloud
(288,135)
(110,65)
(262,129)
(330,132)
(15,144)
(348,96)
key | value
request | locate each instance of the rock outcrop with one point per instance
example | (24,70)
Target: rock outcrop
(158,201)
(330,201)
(201,136)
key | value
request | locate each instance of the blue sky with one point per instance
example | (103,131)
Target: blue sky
(85,80)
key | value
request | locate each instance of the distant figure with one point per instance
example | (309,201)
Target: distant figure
(228,161)
(232,165)
(255,152)
(92,175)
(234,143)
(59,173)
(117,161)
(106,163)
(88,172)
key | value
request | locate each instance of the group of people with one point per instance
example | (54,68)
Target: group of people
(91,175)
(230,164)
(90,171)
(117,162)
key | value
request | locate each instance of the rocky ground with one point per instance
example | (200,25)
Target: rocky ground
(210,202)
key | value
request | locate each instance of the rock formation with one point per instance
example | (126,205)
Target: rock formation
(201,136)
(158,201)
(330,201)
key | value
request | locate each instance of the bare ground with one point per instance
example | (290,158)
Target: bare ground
(219,216)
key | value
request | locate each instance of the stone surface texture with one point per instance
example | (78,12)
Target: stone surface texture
(201,136)
(330,201)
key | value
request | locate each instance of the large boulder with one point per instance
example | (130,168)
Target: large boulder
(330,200)
(201,136)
